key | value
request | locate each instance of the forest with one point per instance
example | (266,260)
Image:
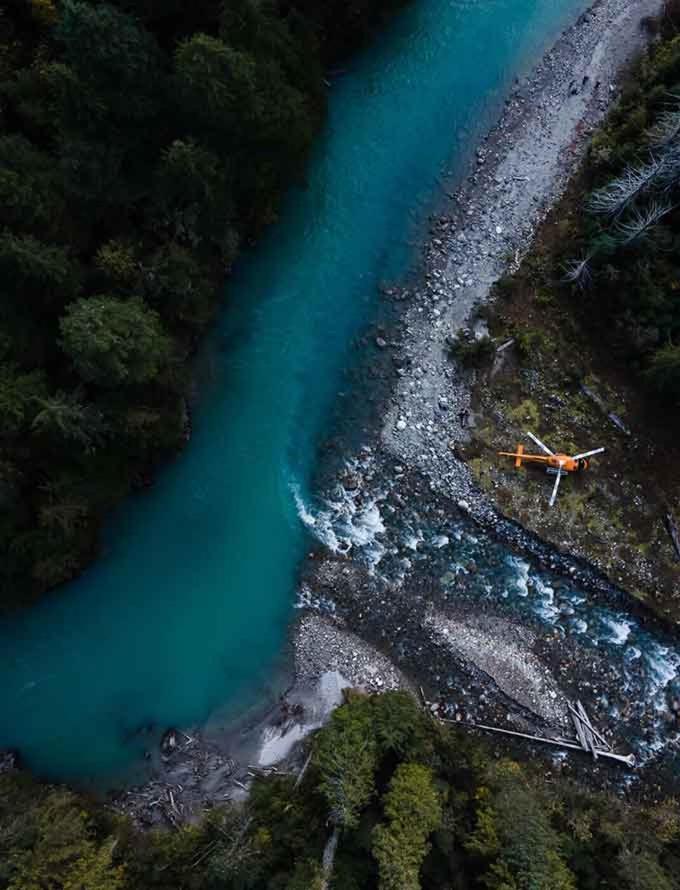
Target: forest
(411,804)
(620,256)
(143,144)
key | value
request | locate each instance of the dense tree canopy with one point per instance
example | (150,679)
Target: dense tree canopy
(413,812)
(113,341)
(621,257)
(142,143)
(436,812)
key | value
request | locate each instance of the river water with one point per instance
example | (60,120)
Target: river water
(425,556)
(187,610)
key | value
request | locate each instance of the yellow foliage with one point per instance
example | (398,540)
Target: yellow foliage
(263,839)
(526,412)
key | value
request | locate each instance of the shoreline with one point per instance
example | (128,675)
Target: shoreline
(207,766)
(456,275)
(523,167)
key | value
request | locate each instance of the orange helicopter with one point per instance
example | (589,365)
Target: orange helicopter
(557,464)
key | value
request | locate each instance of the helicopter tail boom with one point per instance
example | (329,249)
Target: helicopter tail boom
(522,457)
(520,452)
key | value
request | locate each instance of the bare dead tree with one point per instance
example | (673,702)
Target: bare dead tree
(579,272)
(666,128)
(640,224)
(615,197)
(670,174)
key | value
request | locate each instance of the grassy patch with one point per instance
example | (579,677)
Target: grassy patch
(526,412)
(612,514)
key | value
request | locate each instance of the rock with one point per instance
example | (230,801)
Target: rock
(401,424)
(380,343)
(9,761)
(169,741)
(464,506)
(443,404)
(351,482)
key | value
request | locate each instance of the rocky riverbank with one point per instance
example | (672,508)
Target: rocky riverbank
(522,168)
(373,593)
(206,766)
(404,489)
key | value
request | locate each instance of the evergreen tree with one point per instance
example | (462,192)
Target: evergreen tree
(113,341)
(513,833)
(664,371)
(64,855)
(413,811)
(143,142)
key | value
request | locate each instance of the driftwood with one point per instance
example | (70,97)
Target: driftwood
(587,730)
(578,726)
(625,759)
(170,810)
(590,727)
(589,739)
(581,714)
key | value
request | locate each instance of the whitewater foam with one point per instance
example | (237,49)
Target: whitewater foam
(619,630)
(345,523)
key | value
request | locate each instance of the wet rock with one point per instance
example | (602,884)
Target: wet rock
(169,742)
(351,482)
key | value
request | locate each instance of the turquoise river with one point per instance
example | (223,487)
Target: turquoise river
(187,611)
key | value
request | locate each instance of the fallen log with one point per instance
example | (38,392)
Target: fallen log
(625,759)
(578,726)
(590,726)
(591,729)
(587,729)
(303,770)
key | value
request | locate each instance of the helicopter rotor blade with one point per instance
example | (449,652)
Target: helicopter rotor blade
(540,444)
(558,479)
(588,453)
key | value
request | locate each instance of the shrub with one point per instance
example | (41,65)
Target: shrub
(473,352)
